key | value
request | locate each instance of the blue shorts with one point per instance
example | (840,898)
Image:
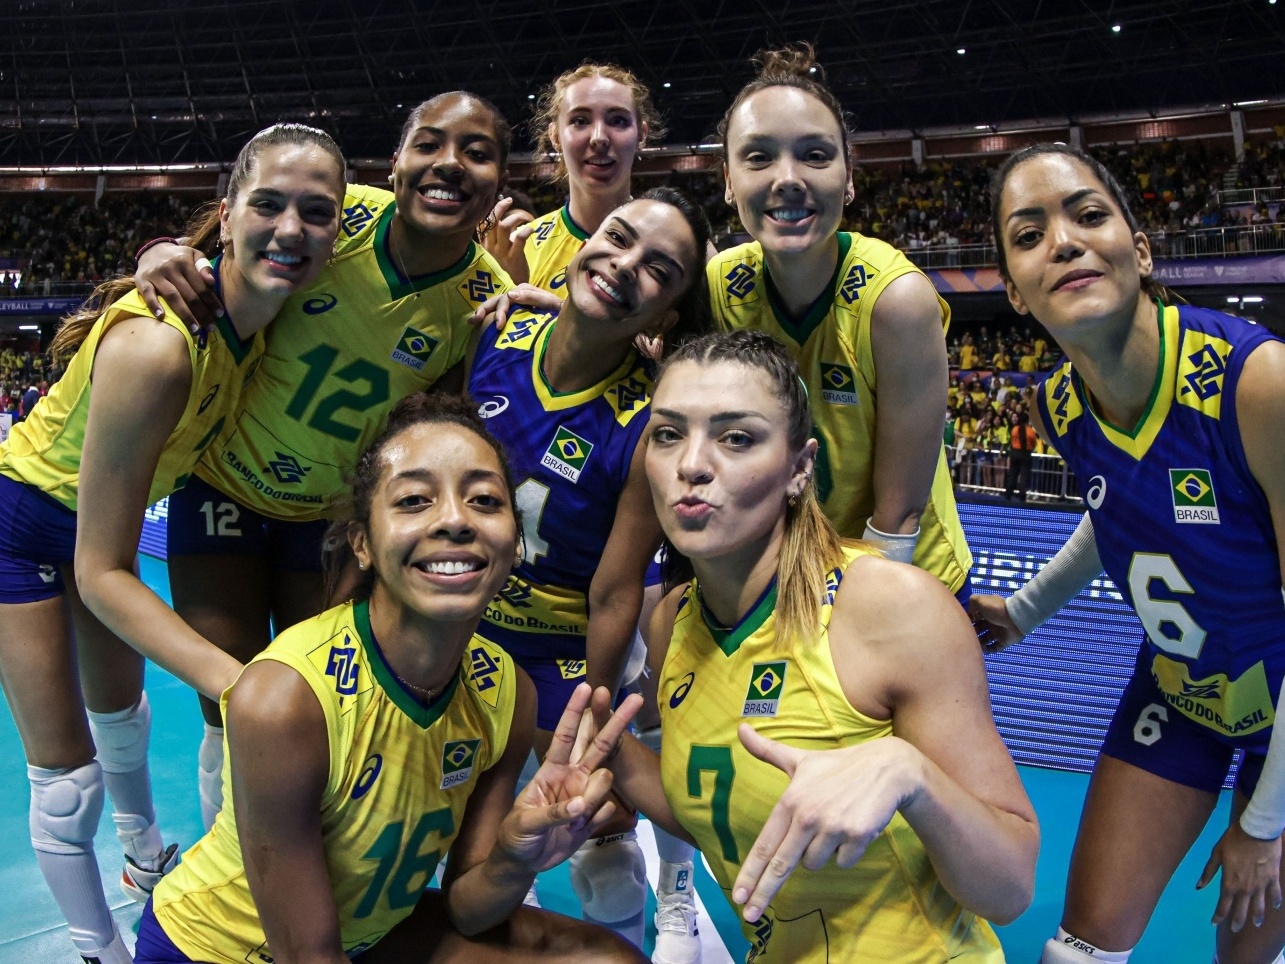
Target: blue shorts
(965,592)
(37,538)
(1155,736)
(154,945)
(555,680)
(205,522)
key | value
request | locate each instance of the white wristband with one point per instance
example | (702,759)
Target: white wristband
(1264,817)
(899,547)
(1074,566)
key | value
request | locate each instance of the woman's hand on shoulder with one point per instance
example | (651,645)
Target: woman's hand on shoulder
(496,309)
(566,801)
(821,815)
(183,277)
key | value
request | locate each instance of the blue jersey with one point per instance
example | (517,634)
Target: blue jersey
(1182,526)
(570,455)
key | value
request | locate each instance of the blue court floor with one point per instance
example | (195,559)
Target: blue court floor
(32,931)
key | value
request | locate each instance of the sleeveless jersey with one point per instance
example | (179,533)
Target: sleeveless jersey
(832,348)
(44,449)
(554,241)
(399,780)
(890,906)
(570,455)
(340,354)
(1181,525)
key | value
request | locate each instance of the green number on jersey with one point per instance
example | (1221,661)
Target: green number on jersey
(407,884)
(716,760)
(319,361)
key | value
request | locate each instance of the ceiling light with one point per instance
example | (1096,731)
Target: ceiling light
(665,85)
(960,50)
(1115,28)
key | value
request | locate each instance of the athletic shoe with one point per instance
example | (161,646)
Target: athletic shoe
(677,938)
(138,883)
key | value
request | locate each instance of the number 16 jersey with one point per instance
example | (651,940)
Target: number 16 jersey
(340,354)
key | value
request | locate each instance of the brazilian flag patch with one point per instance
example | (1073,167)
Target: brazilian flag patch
(567,454)
(457,762)
(838,387)
(414,349)
(763,697)
(1193,496)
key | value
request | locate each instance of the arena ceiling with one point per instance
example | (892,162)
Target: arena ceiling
(91,82)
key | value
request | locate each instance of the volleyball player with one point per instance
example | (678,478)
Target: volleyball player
(864,324)
(406,734)
(1172,418)
(386,318)
(91,457)
(567,396)
(818,701)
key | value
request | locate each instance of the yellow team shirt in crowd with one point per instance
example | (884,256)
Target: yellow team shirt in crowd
(967,357)
(340,354)
(889,906)
(399,779)
(555,239)
(44,449)
(832,348)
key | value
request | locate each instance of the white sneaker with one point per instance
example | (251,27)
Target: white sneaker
(138,883)
(677,938)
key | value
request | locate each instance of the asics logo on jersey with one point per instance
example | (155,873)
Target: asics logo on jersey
(457,762)
(494,407)
(850,290)
(369,774)
(543,231)
(207,400)
(740,280)
(681,690)
(1096,493)
(342,665)
(481,286)
(318,306)
(1207,380)
(516,594)
(287,469)
(356,218)
(559,280)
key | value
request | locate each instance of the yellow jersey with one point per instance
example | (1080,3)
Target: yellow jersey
(890,906)
(832,348)
(399,780)
(340,354)
(555,239)
(44,450)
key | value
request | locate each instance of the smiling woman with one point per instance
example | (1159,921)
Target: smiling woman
(386,318)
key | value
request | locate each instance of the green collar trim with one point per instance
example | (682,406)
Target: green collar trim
(577,232)
(423,716)
(729,640)
(399,286)
(1145,417)
(238,348)
(801,330)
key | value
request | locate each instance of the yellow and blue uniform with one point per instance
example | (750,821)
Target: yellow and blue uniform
(555,239)
(340,354)
(41,458)
(832,347)
(890,906)
(570,454)
(1186,533)
(399,779)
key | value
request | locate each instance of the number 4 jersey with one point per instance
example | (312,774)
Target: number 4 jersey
(1182,526)
(339,355)
(399,780)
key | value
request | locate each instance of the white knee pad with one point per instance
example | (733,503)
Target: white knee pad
(122,737)
(609,875)
(1066,948)
(209,776)
(65,807)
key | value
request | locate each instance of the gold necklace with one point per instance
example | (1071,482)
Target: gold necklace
(401,266)
(426,694)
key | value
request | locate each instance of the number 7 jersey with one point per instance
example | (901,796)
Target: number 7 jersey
(1181,525)
(339,355)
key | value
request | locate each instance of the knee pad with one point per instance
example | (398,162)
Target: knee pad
(65,807)
(209,775)
(609,876)
(122,737)
(1068,949)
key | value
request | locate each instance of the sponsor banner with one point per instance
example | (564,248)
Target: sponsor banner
(38,306)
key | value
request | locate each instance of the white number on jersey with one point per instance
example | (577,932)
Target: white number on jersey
(1185,637)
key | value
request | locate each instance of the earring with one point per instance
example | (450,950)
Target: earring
(793,500)
(390,179)
(361,565)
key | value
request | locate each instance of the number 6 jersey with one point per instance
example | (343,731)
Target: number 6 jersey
(1181,525)
(399,780)
(340,354)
